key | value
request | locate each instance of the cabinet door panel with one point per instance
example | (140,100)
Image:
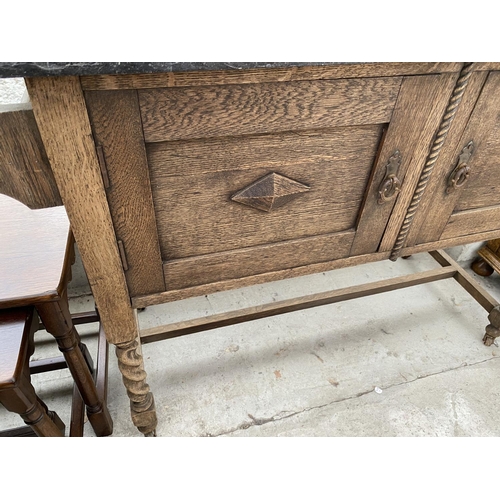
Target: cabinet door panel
(477,205)
(419,108)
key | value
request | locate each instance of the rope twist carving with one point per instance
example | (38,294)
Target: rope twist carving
(444,127)
(130,363)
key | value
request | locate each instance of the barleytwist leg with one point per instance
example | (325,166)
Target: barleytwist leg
(493,329)
(142,405)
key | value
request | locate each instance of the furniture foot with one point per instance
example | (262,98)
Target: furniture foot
(23,401)
(57,320)
(481,267)
(493,329)
(142,405)
(17,393)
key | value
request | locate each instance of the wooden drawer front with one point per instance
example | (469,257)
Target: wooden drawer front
(206,237)
(212,111)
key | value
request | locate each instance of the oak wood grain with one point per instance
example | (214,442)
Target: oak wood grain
(438,98)
(116,125)
(214,111)
(193,182)
(184,273)
(24,168)
(173,295)
(261,75)
(452,242)
(483,186)
(409,132)
(472,222)
(290,305)
(62,119)
(436,205)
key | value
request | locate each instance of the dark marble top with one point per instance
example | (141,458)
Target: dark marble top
(20,69)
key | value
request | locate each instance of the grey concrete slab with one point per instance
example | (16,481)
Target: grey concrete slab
(256,374)
(404,363)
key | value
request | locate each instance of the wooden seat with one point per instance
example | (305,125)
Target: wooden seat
(36,254)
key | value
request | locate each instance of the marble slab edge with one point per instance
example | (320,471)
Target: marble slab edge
(32,69)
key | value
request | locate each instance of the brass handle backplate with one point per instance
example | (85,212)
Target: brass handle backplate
(390,185)
(461,172)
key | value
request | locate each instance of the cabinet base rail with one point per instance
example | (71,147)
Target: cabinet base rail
(449,269)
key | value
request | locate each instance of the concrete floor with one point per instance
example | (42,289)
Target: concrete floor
(404,363)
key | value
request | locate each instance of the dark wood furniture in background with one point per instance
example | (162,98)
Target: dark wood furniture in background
(179,184)
(488,259)
(36,254)
(17,394)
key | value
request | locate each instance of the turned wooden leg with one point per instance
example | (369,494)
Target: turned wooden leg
(17,394)
(493,329)
(481,267)
(23,401)
(57,320)
(142,405)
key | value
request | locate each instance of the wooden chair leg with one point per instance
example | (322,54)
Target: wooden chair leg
(23,401)
(18,394)
(57,320)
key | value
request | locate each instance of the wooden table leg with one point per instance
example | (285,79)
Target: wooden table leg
(57,320)
(493,329)
(142,405)
(61,115)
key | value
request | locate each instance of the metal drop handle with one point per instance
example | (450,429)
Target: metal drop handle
(460,174)
(390,185)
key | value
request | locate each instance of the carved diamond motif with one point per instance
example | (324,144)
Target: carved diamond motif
(269,192)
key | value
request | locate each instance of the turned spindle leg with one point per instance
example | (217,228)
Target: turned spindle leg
(493,329)
(57,320)
(23,401)
(142,405)
(17,394)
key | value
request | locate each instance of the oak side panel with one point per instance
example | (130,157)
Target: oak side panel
(438,93)
(116,125)
(62,119)
(436,205)
(452,242)
(261,259)
(410,131)
(173,295)
(214,111)
(483,186)
(195,291)
(193,181)
(261,75)
(25,172)
(472,222)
